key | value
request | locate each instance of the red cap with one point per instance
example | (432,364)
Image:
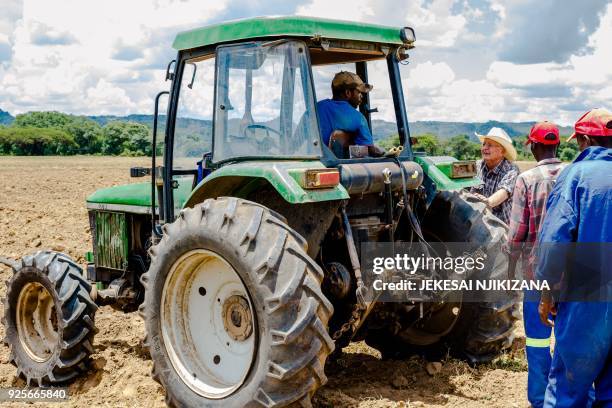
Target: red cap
(544,132)
(596,122)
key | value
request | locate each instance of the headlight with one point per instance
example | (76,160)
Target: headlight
(407,35)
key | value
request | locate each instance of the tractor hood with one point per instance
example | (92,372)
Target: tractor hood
(132,198)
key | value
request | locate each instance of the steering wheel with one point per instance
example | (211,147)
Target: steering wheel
(267,142)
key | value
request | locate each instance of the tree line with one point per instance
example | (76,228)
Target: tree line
(463,148)
(56,133)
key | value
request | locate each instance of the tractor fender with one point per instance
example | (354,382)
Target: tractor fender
(239,179)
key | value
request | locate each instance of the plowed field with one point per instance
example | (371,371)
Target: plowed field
(42,205)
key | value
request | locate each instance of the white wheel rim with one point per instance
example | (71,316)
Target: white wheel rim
(210,352)
(37,322)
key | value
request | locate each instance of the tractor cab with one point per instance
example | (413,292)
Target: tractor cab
(247,91)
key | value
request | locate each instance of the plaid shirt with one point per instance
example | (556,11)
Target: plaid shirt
(501,176)
(528,210)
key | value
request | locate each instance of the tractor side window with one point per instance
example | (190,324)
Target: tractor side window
(193,126)
(193,132)
(382,114)
(264,102)
(323,76)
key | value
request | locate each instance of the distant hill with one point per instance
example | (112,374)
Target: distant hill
(381,129)
(445,130)
(144,119)
(5,118)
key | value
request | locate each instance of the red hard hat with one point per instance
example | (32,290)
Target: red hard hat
(544,132)
(596,122)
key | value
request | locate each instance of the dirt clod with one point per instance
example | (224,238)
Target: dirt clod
(433,368)
(400,382)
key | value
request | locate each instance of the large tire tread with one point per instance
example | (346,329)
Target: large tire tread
(76,329)
(284,276)
(484,329)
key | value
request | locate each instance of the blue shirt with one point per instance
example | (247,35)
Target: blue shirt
(579,210)
(340,115)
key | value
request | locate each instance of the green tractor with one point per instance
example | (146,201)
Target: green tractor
(242,253)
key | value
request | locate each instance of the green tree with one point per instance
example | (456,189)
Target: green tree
(42,120)
(429,144)
(36,142)
(87,134)
(462,148)
(568,154)
(389,142)
(126,138)
(523,151)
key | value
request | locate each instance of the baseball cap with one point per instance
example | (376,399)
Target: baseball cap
(544,132)
(348,80)
(596,122)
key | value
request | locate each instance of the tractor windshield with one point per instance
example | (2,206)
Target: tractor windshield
(264,103)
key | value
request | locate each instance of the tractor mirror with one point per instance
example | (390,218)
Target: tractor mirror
(170,75)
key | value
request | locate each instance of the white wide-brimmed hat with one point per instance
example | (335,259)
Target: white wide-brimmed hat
(500,136)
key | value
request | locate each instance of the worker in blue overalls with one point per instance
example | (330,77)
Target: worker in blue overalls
(575,255)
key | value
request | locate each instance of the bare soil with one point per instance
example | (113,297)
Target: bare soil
(42,205)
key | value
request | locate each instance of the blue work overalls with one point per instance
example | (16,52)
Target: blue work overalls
(575,251)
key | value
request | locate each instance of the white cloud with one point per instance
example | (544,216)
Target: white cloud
(356,10)
(68,60)
(542,31)
(435,24)
(108,57)
(108,97)
(582,77)
(428,75)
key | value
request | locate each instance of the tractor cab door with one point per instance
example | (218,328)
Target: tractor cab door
(192,136)
(264,103)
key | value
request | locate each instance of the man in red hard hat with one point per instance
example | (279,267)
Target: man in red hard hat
(575,254)
(528,209)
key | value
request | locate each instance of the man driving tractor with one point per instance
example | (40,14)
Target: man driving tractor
(339,118)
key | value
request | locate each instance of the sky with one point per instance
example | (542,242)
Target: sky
(475,60)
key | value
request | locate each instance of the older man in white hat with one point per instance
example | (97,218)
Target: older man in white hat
(497,171)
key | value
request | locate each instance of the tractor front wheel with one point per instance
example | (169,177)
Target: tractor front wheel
(49,318)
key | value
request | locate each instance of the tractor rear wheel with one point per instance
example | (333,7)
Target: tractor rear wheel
(474,331)
(233,309)
(49,318)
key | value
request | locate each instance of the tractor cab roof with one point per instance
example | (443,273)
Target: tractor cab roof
(329,34)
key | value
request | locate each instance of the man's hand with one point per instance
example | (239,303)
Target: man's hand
(496,199)
(482,198)
(546,308)
(375,151)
